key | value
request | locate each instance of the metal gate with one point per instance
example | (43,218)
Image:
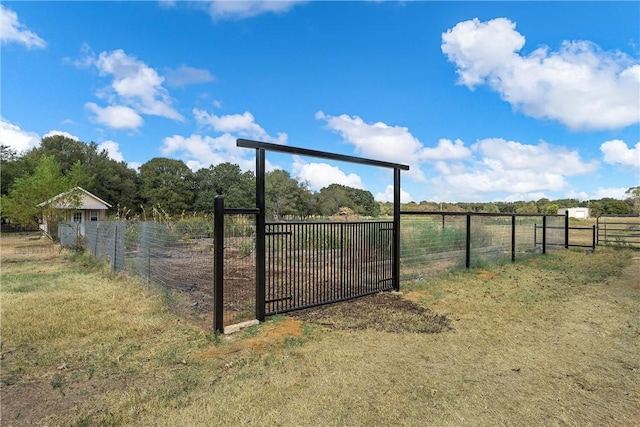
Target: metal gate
(310,264)
(619,230)
(299,265)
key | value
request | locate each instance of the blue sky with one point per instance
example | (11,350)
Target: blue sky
(484,101)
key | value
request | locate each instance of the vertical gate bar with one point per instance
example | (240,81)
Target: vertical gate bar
(379,255)
(295,286)
(326,256)
(289,285)
(566,229)
(340,271)
(341,268)
(286,284)
(468,243)
(357,255)
(297,274)
(544,234)
(594,239)
(396,229)
(314,262)
(513,238)
(331,260)
(352,267)
(312,246)
(260,235)
(218,263)
(360,261)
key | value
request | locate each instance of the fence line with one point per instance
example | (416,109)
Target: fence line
(181,259)
(433,242)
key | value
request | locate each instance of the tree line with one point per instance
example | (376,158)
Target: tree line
(60,163)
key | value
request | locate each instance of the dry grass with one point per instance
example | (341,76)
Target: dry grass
(550,341)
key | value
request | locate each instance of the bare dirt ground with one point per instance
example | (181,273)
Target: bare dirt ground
(385,312)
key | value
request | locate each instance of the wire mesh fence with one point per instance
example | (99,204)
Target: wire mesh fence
(106,240)
(434,242)
(239,300)
(26,243)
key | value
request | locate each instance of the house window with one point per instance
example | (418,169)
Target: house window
(77,217)
(93,216)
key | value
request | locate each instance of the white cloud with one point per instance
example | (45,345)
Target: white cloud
(601,193)
(113,149)
(19,140)
(136,84)
(243,125)
(61,133)
(225,9)
(447,150)
(134,165)
(200,151)
(379,141)
(116,116)
(387,196)
(616,152)
(500,154)
(12,31)
(135,89)
(185,75)
(578,85)
(519,171)
(320,175)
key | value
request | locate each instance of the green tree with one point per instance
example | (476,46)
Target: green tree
(609,206)
(336,196)
(11,167)
(108,179)
(27,192)
(65,150)
(167,184)
(633,199)
(526,207)
(490,208)
(112,181)
(237,187)
(285,195)
(551,208)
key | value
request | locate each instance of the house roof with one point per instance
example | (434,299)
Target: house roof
(88,201)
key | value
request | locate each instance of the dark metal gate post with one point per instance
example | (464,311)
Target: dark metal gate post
(468,243)
(513,238)
(396,229)
(261,252)
(218,263)
(566,229)
(544,234)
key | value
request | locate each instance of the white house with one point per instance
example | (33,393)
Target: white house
(80,206)
(579,213)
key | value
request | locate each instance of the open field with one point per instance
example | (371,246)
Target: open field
(551,340)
